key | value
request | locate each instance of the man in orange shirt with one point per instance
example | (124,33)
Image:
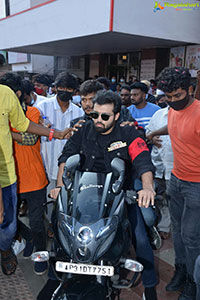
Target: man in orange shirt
(184,191)
(31,177)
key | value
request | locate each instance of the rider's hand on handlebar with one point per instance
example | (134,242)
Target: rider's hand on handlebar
(54,192)
(146,197)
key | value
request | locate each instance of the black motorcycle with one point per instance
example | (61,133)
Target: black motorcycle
(92,235)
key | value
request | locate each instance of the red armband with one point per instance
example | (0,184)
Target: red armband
(51,134)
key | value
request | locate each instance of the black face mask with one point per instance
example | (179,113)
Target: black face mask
(64,95)
(162,104)
(178,105)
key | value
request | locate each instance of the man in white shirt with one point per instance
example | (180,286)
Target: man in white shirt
(162,158)
(59,110)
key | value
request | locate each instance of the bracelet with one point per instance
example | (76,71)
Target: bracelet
(58,187)
(51,134)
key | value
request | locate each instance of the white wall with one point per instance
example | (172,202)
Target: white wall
(18,5)
(137,17)
(55,21)
(64,20)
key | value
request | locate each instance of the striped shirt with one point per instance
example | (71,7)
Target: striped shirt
(143,115)
(51,150)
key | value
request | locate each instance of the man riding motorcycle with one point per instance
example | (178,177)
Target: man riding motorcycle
(98,142)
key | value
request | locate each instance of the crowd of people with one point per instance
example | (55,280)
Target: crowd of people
(152,125)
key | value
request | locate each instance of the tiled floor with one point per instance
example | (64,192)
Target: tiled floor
(25,285)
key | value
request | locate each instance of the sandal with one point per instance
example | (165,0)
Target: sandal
(8,262)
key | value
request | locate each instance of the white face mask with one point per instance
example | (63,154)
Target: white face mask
(113,80)
(121,80)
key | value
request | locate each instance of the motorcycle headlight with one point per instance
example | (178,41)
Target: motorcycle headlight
(85,235)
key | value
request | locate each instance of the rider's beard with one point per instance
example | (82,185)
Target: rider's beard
(104,128)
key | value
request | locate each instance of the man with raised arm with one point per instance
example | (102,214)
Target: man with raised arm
(184,191)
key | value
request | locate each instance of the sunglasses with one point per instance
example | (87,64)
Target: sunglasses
(104,116)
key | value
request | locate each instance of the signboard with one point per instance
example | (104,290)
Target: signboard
(192,61)
(177,56)
(148,69)
(17,58)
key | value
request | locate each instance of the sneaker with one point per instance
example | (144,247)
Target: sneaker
(28,250)
(40,268)
(149,294)
(155,239)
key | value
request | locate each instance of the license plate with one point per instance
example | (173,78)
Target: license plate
(84,269)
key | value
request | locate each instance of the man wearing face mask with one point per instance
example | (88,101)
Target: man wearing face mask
(160,99)
(41,84)
(88,90)
(59,110)
(113,84)
(184,190)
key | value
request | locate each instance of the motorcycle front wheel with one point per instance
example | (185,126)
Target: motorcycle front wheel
(85,288)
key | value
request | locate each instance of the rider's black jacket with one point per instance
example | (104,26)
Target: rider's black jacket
(122,142)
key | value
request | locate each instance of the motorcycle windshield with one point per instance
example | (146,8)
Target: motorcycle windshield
(88,198)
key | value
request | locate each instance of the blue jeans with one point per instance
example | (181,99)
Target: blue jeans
(184,205)
(197,276)
(9,226)
(144,253)
(147,213)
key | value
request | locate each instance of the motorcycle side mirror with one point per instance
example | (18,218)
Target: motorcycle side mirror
(70,167)
(72,163)
(118,167)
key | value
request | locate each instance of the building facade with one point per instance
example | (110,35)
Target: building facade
(101,37)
